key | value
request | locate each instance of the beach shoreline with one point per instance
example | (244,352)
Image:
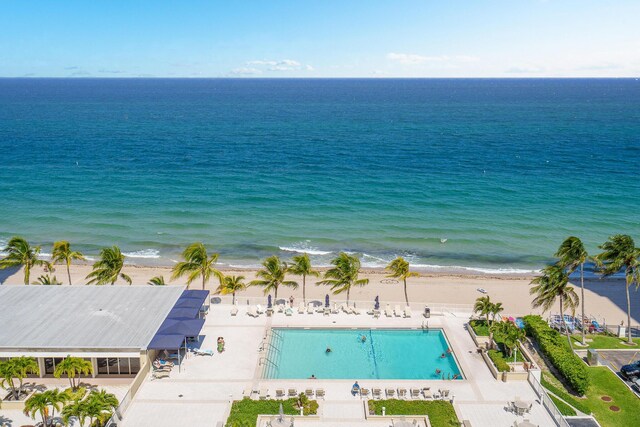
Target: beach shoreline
(605,298)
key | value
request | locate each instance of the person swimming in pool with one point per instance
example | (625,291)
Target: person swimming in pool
(328,350)
(442,356)
(438,371)
(363,338)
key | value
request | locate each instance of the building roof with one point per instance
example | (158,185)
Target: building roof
(83,317)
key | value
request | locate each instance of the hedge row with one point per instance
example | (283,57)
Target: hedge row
(556,348)
(498,360)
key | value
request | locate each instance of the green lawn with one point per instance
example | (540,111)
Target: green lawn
(441,413)
(244,413)
(564,409)
(604,342)
(603,383)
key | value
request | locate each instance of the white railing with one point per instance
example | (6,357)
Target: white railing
(551,407)
(437,308)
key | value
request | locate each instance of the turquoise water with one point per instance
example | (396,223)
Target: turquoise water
(385,354)
(502,169)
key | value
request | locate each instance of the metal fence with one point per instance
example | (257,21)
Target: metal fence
(118,413)
(551,407)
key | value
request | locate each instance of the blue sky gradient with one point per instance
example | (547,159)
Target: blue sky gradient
(320,38)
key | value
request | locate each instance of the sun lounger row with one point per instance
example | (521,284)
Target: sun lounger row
(282,393)
(397,311)
(403,393)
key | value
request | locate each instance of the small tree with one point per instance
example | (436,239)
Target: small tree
(62,253)
(39,403)
(21,254)
(17,368)
(509,334)
(197,263)
(157,281)
(231,285)
(272,275)
(46,279)
(109,268)
(344,274)
(399,269)
(302,267)
(72,367)
(99,407)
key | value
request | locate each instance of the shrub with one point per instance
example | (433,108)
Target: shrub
(559,353)
(480,327)
(440,412)
(498,360)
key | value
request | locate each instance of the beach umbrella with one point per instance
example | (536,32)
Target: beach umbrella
(377,304)
(269,305)
(326,300)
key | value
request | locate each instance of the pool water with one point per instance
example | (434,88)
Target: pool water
(384,354)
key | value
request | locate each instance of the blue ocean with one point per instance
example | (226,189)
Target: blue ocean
(453,174)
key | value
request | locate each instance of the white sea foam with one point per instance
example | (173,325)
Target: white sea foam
(144,253)
(482,270)
(302,248)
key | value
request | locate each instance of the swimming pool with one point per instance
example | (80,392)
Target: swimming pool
(384,354)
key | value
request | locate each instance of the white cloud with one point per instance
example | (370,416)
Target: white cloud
(415,59)
(279,65)
(245,71)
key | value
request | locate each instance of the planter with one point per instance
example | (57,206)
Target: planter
(480,341)
(16,404)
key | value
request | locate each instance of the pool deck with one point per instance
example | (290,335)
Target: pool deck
(202,392)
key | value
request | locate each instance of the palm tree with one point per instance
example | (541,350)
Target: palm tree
(231,285)
(17,368)
(399,269)
(620,252)
(72,367)
(483,307)
(572,254)
(197,264)
(62,253)
(75,409)
(109,268)
(21,254)
(509,333)
(302,267)
(272,275)
(344,275)
(551,286)
(157,281)
(495,310)
(46,279)
(39,403)
(99,407)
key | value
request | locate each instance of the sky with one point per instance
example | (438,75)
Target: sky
(320,38)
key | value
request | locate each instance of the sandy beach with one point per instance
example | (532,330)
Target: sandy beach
(605,299)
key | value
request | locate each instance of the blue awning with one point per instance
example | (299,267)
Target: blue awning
(184,313)
(188,303)
(188,328)
(166,342)
(195,293)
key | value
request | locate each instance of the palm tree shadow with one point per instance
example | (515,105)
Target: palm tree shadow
(6,273)
(89,387)
(613,290)
(6,421)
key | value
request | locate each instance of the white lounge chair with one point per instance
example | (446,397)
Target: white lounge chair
(234,310)
(390,392)
(279,393)
(264,393)
(397,311)
(162,373)
(288,311)
(356,311)
(251,311)
(310,308)
(402,393)
(377,393)
(344,308)
(203,352)
(259,309)
(309,393)
(293,392)
(407,311)
(387,311)
(319,393)
(426,392)
(364,393)
(301,308)
(415,393)
(335,310)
